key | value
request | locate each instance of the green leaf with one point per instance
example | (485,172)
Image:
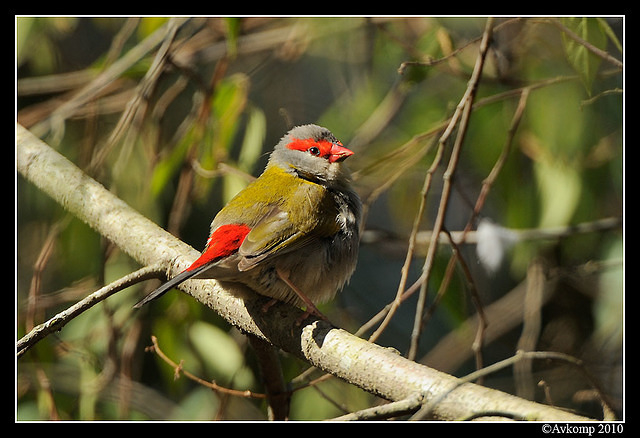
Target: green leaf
(560,189)
(249,154)
(253,139)
(610,33)
(221,354)
(166,168)
(148,25)
(609,303)
(583,61)
(228,105)
(212,137)
(227,109)
(233,31)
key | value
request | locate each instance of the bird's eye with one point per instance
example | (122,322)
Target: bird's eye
(313,150)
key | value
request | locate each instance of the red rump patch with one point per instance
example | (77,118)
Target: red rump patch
(224,241)
(300,144)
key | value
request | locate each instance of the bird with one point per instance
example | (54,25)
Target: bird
(293,233)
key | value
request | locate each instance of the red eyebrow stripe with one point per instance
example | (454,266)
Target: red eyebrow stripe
(303,144)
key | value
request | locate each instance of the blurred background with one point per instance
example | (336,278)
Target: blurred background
(177,115)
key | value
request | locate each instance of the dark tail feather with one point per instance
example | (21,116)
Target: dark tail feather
(183,276)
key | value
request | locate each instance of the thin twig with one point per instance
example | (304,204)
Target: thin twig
(425,411)
(587,45)
(61,319)
(478,342)
(429,62)
(318,342)
(389,410)
(412,240)
(137,105)
(486,185)
(531,326)
(43,257)
(179,369)
(465,107)
(495,171)
(88,92)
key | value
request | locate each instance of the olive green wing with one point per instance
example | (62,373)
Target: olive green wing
(280,232)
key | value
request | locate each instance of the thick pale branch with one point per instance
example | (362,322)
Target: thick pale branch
(375,369)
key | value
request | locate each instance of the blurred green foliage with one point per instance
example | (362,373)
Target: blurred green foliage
(227,92)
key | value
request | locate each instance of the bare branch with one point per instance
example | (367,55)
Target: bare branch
(380,371)
(61,319)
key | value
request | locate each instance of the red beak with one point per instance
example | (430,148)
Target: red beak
(339,153)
